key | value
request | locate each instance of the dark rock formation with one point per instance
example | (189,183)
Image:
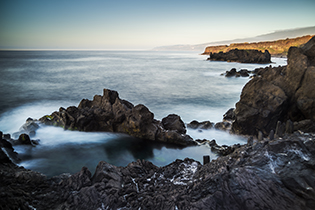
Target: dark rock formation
(29,128)
(110,113)
(174,122)
(234,73)
(242,56)
(229,115)
(24,139)
(279,94)
(278,174)
(200,125)
(223,125)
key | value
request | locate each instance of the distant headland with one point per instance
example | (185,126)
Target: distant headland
(272,36)
(275,48)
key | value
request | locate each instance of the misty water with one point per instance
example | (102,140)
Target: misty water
(36,83)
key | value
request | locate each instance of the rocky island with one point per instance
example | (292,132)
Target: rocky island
(274,170)
(242,56)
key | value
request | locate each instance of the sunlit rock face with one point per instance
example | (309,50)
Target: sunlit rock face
(279,94)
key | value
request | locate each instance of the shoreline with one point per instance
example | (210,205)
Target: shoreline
(254,168)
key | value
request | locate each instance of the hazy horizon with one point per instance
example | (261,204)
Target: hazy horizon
(132,25)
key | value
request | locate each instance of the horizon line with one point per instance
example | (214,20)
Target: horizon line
(75,49)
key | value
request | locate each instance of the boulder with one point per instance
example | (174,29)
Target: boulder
(24,139)
(223,125)
(112,114)
(242,56)
(234,73)
(29,128)
(174,122)
(279,94)
(200,125)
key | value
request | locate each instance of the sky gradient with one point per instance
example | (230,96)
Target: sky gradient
(139,24)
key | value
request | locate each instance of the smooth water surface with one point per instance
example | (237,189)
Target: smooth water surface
(36,83)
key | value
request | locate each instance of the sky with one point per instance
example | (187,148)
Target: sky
(143,24)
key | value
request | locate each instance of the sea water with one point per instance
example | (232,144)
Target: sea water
(36,83)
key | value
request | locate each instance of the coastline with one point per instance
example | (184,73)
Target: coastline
(274,170)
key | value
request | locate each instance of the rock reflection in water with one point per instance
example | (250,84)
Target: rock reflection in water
(119,151)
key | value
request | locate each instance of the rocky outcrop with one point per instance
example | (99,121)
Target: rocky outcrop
(277,174)
(242,56)
(200,125)
(276,48)
(112,114)
(234,73)
(279,94)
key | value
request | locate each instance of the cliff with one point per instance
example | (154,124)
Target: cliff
(275,48)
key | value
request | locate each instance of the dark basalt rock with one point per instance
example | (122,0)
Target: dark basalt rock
(279,94)
(229,115)
(200,125)
(174,122)
(24,139)
(242,56)
(277,174)
(112,114)
(234,73)
(223,125)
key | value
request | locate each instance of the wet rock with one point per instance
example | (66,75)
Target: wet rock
(174,122)
(29,128)
(112,114)
(223,126)
(200,125)
(234,73)
(229,115)
(24,139)
(231,73)
(277,174)
(278,94)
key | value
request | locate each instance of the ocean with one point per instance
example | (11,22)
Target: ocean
(36,83)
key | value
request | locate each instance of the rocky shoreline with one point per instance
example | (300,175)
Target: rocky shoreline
(274,170)
(262,174)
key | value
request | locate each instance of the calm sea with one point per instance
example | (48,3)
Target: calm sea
(36,83)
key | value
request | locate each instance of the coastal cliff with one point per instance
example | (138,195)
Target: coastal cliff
(275,48)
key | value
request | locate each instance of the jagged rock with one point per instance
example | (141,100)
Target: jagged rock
(277,174)
(173,122)
(112,114)
(278,94)
(242,56)
(229,115)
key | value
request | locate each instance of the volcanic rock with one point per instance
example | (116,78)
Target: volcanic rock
(112,114)
(273,174)
(242,56)
(200,125)
(279,94)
